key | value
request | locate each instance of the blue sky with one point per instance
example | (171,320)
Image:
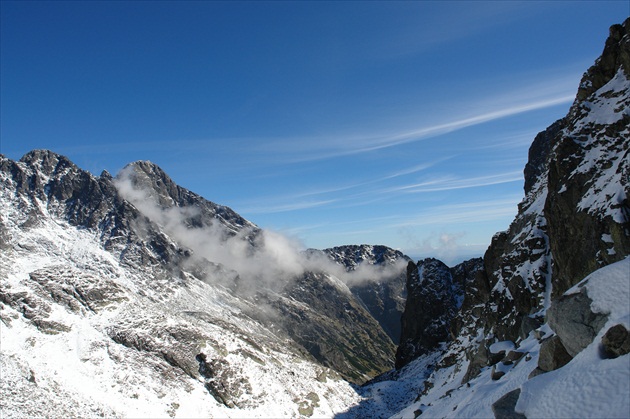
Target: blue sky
(398,123)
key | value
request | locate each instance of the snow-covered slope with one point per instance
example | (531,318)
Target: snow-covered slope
(84,335)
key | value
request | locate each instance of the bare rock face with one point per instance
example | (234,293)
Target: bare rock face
(384,297)
(332,326)
(589,175)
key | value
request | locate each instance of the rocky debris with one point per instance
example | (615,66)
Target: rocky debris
(616,341)
(76,290)
(33,308)
(308,404)
(552,354)
(574,322)
(175,344)
(504,407)
(220,382)
(431,305)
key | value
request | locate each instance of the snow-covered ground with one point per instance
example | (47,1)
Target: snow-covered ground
(70,365)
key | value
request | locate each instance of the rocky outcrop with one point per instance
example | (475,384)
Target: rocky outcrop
(539,152)
(553,354)
(435,293)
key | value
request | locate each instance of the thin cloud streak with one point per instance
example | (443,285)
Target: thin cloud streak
(380,194)
(341,146)
(464,213)
(451,183)
(467,122)
(286,207)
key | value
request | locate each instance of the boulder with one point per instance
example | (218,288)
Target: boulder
(616,341)
(478,359)
(574,322)
(504,407)
(553,354)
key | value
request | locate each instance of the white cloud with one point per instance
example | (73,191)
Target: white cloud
(452,182)
(262,258)
(468,212)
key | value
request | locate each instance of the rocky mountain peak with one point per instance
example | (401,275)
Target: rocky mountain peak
(145,184)
(614,57)
(538,158)
(48,162)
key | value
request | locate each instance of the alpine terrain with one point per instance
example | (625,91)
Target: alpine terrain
(131,296)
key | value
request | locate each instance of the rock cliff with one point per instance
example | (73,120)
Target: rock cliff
(540,292)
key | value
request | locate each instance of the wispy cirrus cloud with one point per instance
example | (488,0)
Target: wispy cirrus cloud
(468,212)
(536,95)
(284,207)
(451,182)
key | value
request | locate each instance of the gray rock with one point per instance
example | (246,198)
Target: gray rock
(496,374)
(478,360)
(513,358)
(536,372)
(528,324)
(616,341)
(504,407)
(553,354)
(574,322)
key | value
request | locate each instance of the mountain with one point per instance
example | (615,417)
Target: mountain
(435,294)
(542,330)
(382,290)
(132,296)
